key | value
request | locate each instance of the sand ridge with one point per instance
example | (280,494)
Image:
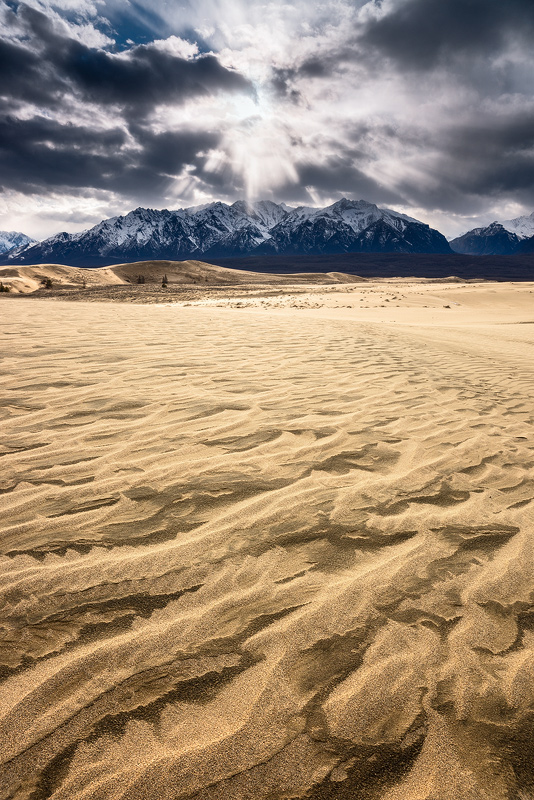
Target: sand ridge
(266,552)
(20,279)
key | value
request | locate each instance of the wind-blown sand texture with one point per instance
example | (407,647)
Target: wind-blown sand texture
(258,552)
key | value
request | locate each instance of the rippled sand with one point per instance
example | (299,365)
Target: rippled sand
(259,553)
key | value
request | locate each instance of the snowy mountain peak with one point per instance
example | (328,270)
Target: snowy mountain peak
(218,230)
(11,239)
(267,213)
(494,239)
(345,203)
(521,226)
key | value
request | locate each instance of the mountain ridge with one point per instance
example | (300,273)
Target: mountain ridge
(12,239)
(241,229)
(507,237)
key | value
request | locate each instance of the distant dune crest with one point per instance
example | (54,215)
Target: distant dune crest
(25,280)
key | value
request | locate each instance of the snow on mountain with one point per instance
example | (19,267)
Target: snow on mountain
(243,228)
(135,229)
(265,213)
(499,238)
(398,214)
(351,226)
(521,226)
(358,214)
(304,212)
(194,209)
(494,240)
(11,239)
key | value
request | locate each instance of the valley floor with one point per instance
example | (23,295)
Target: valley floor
(269,544)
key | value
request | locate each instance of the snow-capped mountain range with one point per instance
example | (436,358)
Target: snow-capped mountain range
(11,239)
(500,238)
(218,230)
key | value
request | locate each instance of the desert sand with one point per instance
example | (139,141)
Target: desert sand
(269,545)
(28,279)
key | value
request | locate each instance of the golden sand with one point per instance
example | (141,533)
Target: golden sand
(272,547)
(26,280)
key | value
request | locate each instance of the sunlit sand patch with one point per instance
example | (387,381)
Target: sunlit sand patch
(269,550)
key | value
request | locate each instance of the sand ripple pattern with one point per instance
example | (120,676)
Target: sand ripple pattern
(251,557)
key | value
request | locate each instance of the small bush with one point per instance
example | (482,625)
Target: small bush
(3,288)
(47,283)
(164,281)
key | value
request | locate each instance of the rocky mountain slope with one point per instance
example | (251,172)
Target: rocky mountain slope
(220,230)
(500,238)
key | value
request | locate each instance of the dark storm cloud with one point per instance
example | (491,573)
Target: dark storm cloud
(282,83)
(320,65)
(431,97)
(315,67)
(338,175)
(146,77)
(24,77)
(52,70)
(470,163)
(460,159)
(492,138)
(17,66)
(421,34)
(167,152)
(38,154)
(492,156)
(136,81)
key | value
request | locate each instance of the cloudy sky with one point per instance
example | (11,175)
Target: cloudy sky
(425,106)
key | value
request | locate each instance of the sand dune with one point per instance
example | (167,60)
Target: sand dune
(280,549)
(28,279)
(25,280)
